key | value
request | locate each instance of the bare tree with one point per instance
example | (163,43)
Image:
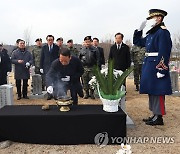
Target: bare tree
(175,56)
(106,44)
(129,43)
(27,36)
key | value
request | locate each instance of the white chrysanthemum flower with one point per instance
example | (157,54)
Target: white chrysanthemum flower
(105,70)
(117,72)
(94,77)
(121,151)
(126,149)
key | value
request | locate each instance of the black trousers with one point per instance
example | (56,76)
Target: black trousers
(76,90)
(3,78)
(24,87)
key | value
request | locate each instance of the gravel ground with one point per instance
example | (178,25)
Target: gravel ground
(137,108)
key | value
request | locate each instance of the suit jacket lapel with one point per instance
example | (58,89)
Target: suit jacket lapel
(122,46)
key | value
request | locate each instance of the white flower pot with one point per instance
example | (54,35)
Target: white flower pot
(110,105)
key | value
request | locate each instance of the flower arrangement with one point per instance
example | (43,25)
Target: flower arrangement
(108,83)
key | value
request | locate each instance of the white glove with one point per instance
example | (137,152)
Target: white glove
(27,64)
(66,79)
(33,67)
(41,71)
(142,26)
(159,75)
(8,73)
(50,89)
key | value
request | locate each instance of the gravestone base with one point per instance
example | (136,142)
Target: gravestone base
(129,121)
(36,96)
(37,84)
(175,83)
(176,94)
(6,95)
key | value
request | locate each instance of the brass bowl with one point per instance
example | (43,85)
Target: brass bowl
(64,103)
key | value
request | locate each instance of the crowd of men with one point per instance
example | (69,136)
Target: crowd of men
(74,67)
(67,68)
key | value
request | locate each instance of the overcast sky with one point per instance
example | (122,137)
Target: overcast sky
(74,19)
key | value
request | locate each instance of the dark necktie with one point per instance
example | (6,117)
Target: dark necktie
(118,46)
(50,48)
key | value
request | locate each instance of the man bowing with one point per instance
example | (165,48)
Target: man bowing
(65,74)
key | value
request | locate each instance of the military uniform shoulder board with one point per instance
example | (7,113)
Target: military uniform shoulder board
(163,27)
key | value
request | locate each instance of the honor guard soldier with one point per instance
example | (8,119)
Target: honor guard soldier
(89,57)
(155,78)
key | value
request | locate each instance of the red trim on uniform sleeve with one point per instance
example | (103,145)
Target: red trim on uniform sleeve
(162,107)
(161,65)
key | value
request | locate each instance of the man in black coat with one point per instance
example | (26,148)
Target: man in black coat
(49,53)
(5,65)
(100,50)
(120,53)
(23,60)
(16,47)
(65,74)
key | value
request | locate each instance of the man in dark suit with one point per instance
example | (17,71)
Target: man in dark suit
(49,53)
(120,52)
(101,51)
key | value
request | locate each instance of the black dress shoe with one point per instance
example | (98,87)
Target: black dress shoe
(18,98)
(137,88)
(148,119)
(49,97)
(86,94)
(55,98)
(157,120)
(92,97)
(86,97)
(25,97)
(92,94)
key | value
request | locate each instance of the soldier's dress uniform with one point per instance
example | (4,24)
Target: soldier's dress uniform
(137,55)
(158,49)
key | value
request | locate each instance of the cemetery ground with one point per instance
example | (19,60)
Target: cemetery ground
(137,109)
